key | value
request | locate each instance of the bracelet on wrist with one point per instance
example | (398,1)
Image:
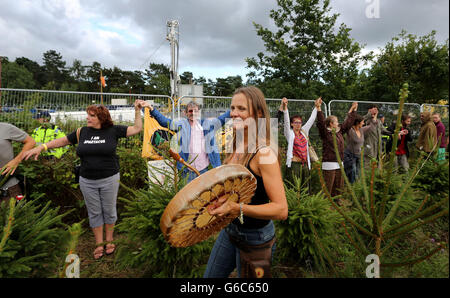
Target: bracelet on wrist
(241,214)
(45,147)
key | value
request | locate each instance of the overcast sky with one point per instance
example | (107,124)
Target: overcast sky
(215,35)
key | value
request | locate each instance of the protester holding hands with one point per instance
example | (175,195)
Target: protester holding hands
(99,172)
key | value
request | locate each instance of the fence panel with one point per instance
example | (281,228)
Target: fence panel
(389,110)
(443,112)
(68,109)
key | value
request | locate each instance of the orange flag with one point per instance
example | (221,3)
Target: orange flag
(102,80)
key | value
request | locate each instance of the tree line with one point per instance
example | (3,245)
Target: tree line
(309,55)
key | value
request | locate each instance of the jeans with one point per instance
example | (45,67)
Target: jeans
(191,175)
(225,256)
(351,165)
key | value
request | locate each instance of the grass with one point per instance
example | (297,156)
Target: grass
(104,267)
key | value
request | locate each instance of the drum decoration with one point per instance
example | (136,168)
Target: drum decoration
(186,220)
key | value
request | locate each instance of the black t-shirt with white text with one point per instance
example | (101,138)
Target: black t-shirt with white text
(97,150)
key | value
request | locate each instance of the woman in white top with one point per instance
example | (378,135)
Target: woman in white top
(298,161)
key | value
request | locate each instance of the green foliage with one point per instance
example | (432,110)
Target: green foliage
(16,76)
(307,55)
(419,61)
(33,241)
(145,246)
(295,238)
(47,180)
(433,178)
(383,212)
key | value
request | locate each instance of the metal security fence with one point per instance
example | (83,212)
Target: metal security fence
(443,112)
(213,106)
(68,109)
(389,110)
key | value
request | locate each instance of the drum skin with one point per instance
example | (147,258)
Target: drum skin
(186,221)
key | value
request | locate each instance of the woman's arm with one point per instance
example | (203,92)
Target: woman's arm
(277,209)
(348,123)
(286,121)
(371,127)
(12,165)
(56,143)
(137,127)
(312,118)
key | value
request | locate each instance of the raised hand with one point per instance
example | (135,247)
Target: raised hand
(284,103)
(318,102)
(354,107)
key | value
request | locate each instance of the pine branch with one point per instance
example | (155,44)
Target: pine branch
(413,261)
(416,216)
(8,229)
(350,187)
(320,246)
(412,227)
(324,188)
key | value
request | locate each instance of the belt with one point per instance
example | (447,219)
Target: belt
(298,159)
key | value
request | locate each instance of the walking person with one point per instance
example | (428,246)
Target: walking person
(99,173)
(354,142)
(298,161)
(330,166)
(269,202)
(196,138)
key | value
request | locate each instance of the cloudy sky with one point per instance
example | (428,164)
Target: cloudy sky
(215,35)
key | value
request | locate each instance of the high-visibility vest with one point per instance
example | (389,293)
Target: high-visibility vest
(44,134)
(385,137)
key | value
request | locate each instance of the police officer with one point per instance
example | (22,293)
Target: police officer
(385,138)
(47,132)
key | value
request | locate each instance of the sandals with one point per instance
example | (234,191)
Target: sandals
(98,252)
(110,248)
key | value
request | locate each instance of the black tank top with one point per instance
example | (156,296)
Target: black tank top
(259,198)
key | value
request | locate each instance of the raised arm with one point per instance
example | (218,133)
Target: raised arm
(286,120)
(321,124)
(163,121)
(137,127)
(348,123)
(312,118)
(371,125)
